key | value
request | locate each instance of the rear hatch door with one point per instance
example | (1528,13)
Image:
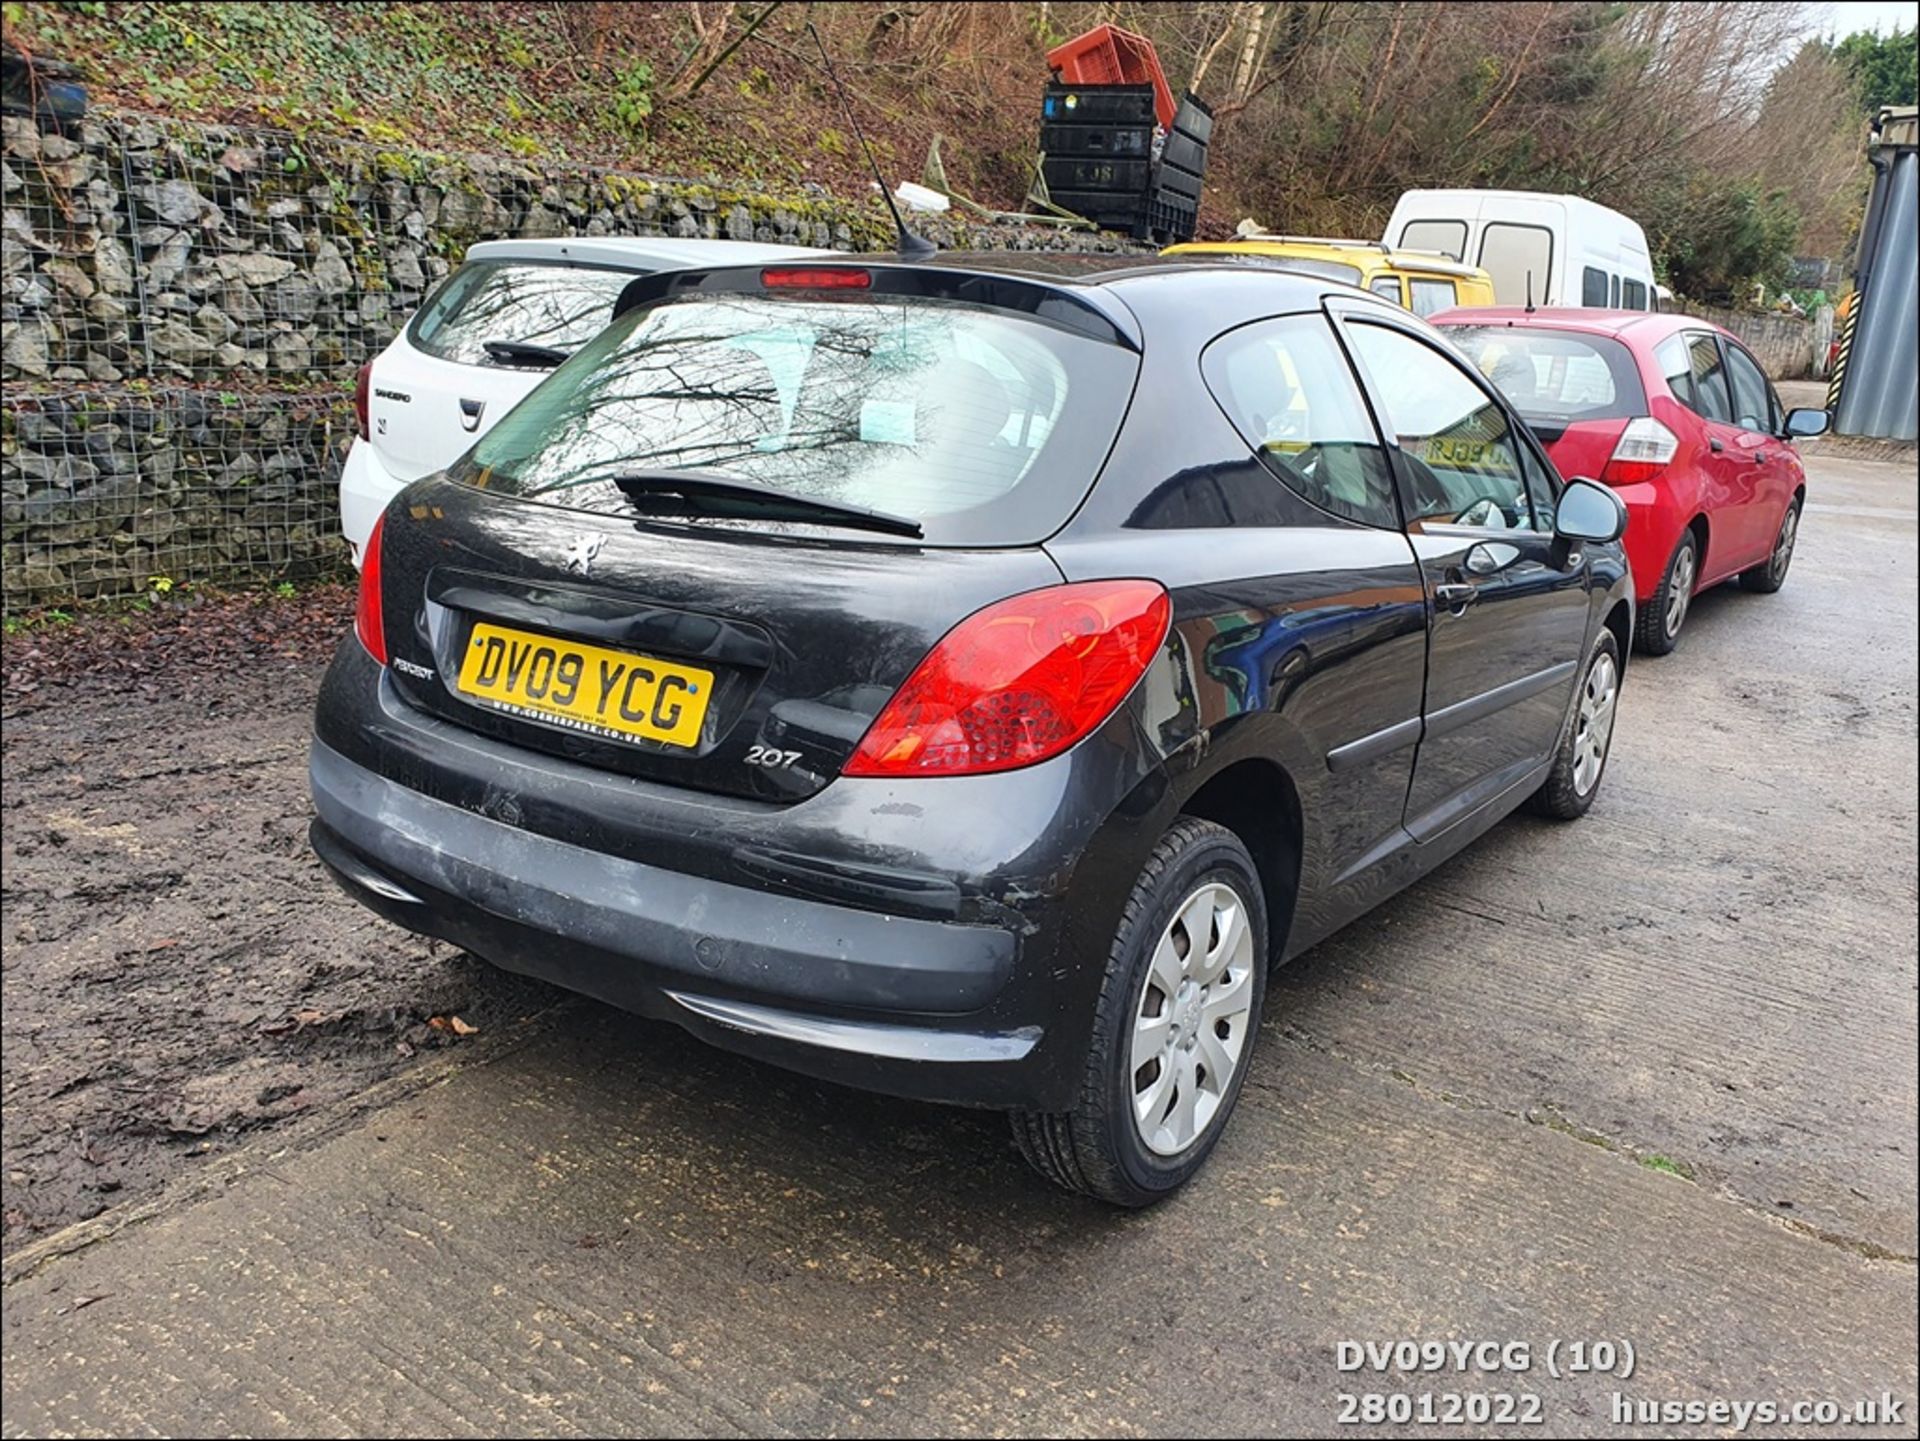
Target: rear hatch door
(917,450)
(1576,389)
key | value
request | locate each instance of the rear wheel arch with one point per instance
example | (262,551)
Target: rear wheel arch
(1620,621)
(1257,800)
(1702,536)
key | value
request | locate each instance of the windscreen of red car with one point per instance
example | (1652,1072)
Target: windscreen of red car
(986,427)
(1556,376)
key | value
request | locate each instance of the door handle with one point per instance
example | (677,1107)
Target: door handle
(1455,596)
(1715,444)
(1759,457)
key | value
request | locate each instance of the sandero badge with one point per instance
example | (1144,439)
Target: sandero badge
(966,678)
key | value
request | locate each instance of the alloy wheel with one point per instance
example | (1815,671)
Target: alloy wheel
(1191,1019)
(1593,727)
(1680,589)
(1782,556)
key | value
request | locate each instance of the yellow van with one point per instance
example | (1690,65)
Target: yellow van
(1422,281)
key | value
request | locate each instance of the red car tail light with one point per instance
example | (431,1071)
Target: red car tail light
(815,277)
(1019,682)
(368,621)
(1643,451)
(362,385)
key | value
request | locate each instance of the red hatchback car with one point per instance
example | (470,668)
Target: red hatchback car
(1678,417)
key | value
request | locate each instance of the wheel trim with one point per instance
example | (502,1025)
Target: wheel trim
(1593,726)
(1191,1019)
(1783,546)
(1680,589)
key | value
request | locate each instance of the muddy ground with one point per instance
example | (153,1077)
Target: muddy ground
(1646,1079)
(178,971)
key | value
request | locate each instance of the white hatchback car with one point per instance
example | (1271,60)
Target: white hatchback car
(492,331)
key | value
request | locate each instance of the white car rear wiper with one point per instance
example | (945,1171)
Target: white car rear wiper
(524,352)
(698,485)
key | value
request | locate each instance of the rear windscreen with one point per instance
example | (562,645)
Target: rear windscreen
(1555,374)
(560,307)
(983,426)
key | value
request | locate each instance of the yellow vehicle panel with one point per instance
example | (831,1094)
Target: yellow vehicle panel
(1412,279)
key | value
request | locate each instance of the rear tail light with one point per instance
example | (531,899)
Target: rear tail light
(815,277)
(362,384)
(1643,451)
(1018,682)
(368,622)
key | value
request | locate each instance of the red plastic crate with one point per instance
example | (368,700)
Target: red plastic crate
(1108,55)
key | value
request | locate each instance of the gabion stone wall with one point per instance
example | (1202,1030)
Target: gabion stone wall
(183,304)
(107,493)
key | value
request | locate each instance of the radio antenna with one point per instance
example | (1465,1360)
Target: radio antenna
(912,247)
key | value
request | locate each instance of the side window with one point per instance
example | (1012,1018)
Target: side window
(1432,295)
(1752,397)
(1633,294)
(1290,393)
(1387,286)
(1593,288)
(1709,379)
(1541,487)
(1448,237)
(1463,455)
(1616,293)
(1519,258)
(1676,364)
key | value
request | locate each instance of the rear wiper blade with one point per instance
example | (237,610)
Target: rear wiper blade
(524,352)
(717,485)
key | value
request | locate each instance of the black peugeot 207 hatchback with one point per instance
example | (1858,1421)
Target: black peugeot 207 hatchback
(962,679)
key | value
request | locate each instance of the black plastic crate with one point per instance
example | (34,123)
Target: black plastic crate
(1110,210)
(1183,159)
(1081,141)
(1173,181)
(1106,176)
(1098,105)
(1168,222)
(1194,118)
(1183,151)
(1091,166)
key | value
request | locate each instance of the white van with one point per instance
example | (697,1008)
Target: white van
(1572,251)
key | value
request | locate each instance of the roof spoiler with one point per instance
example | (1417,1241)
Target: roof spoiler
(1067,307)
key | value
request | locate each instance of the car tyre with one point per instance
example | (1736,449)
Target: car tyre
(1656,625)
(1125,1140)
(1586,741)
(1771,574)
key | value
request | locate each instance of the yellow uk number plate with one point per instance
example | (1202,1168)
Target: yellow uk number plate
(1456,451)
(605,692)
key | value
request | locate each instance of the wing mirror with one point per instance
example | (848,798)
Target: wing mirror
(1804,424)
(1589,511)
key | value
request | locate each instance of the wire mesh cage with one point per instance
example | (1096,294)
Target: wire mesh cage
(111,493)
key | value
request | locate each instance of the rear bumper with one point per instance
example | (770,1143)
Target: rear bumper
(676,929)
(366,486)
(941,1010)
(1653,529)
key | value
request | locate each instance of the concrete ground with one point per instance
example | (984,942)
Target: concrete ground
(1648,1079)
